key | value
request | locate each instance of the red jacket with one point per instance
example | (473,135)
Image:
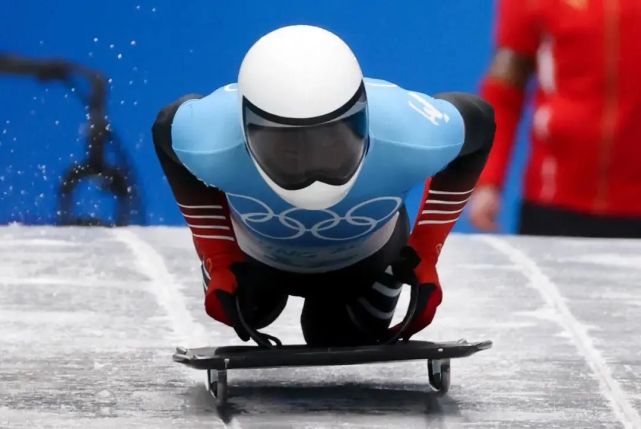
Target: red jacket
(586,134)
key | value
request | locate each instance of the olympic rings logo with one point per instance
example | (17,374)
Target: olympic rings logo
(292,228)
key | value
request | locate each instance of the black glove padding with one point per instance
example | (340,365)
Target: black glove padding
(259,298)
(403,267)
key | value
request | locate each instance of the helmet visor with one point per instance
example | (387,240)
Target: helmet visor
(295,153)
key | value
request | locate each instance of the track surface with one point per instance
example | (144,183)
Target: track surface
(89,318)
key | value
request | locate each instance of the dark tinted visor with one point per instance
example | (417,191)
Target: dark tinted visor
(295,153)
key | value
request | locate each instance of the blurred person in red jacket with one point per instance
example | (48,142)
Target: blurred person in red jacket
(584,172)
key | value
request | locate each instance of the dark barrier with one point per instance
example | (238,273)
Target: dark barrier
(117,179)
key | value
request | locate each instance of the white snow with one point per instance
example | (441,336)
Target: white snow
(89,318)
(579,332)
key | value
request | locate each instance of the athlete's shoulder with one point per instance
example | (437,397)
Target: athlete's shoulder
(412,118)
(208,124)
(207,138)
(166,115)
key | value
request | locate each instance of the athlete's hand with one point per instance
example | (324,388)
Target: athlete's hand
(430,296)
(485,207)
(412,270)
(220,300)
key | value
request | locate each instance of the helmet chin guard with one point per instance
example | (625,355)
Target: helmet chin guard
(317,196)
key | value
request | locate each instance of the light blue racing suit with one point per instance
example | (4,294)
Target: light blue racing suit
(412,137)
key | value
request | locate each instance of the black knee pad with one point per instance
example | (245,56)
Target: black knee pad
(325,323)
(360,320)
(261,306)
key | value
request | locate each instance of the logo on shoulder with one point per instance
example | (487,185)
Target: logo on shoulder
(427,109)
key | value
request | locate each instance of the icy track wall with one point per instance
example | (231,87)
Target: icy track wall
(154,52)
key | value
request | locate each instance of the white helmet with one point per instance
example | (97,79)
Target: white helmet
(304,112)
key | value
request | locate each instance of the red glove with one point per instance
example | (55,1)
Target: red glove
(220,299)
(439,209)
(430,296)
(208,217)
(411,269)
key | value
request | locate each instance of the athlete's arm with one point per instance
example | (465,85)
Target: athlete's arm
(451,188)
(444,200)
(504,88)
(206,212)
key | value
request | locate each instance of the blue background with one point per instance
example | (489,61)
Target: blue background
(156,51)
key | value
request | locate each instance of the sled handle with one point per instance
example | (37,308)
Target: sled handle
(262,339)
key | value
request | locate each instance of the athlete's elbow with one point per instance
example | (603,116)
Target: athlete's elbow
(480,124)
(161,131)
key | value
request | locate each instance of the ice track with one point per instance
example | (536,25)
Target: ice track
(89,318)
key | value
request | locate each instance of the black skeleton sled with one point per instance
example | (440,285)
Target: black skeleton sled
(270,353)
